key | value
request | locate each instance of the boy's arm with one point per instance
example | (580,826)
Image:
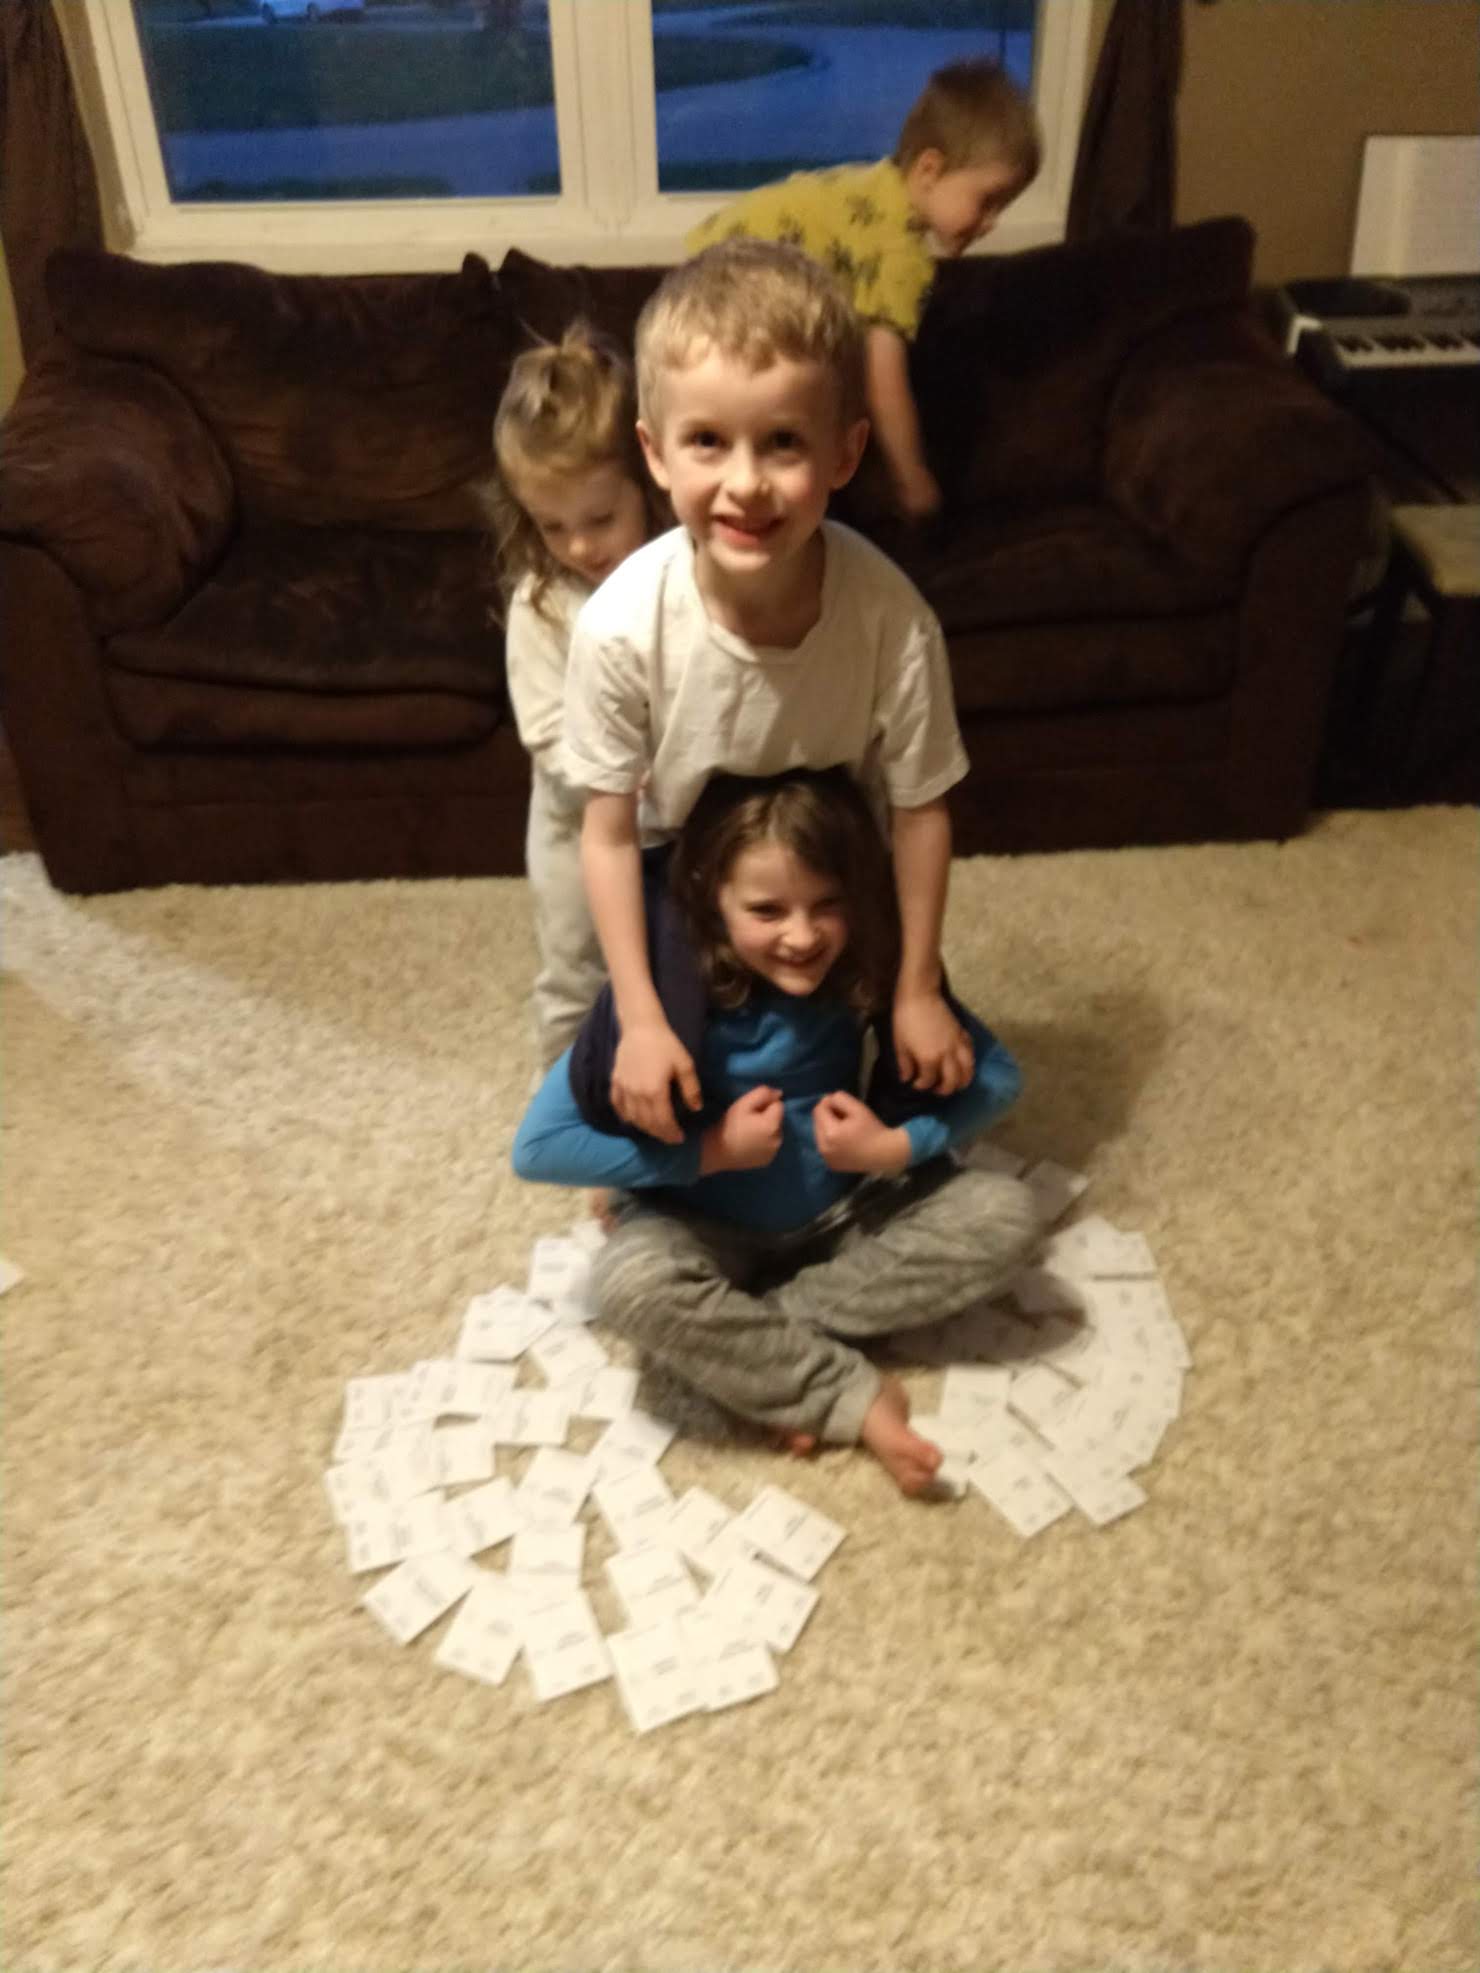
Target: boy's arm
(933,1050)
(896,422)
(649,1054)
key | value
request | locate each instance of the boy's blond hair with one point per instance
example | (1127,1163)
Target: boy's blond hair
(756,301)
(567,409)
(973,113)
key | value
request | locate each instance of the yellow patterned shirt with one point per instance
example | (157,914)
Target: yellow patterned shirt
(857,220)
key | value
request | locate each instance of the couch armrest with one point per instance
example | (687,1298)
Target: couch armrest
(1211,436)
(109,469)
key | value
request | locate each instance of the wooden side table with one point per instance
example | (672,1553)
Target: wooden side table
(1436,557)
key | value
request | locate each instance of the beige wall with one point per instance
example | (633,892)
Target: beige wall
(1277,96)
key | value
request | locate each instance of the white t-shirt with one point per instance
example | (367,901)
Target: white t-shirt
(654,687)
(536,651)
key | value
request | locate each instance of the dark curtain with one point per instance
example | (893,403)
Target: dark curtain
(48,189)
(1125,174)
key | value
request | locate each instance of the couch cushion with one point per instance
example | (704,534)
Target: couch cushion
(1068,669)
(335,612)
(337,399)
(1018,353)
(1070,606)
(186,715)
(542,301)
(1065,562)
(108,468)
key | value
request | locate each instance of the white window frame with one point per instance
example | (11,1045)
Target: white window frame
(609,212)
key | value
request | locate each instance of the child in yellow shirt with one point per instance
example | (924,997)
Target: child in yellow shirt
(967,149)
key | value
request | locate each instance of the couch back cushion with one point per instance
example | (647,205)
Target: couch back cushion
(338,400)
(542,301)
(1018,354)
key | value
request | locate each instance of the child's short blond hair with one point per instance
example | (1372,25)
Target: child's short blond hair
(973,113)
(756,301)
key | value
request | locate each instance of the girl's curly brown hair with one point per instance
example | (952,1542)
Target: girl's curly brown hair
(825,820)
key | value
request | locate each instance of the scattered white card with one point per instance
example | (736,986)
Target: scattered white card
(732,1668)
(462,1453)
(483,1517)
(652,1583)
(548,1552)
(704,1530)
(565,1353)
(635,1439)
(370,1402)
(635,1505)
(10,1274)
(790,1532)
(559,1271)
(975,1392)
(554,1488)
(1093,1246)
(563,1647)
(657,1680)
(1020,1491)
(1039,1394)
(484,1638)
(609,1393)
(1094,1485)
(410,1598)
(531,1418)
(501,1325)
(761,1603)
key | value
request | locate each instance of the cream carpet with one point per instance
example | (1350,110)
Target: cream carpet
(258,1143)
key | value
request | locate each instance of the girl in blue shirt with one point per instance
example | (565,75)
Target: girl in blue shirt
(812,1206)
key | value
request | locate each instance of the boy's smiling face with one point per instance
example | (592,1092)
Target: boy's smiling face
(963,204)
(749,457)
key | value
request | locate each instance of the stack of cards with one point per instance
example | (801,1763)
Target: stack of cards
(709,1595)
(1055,1404)
(1045,1406)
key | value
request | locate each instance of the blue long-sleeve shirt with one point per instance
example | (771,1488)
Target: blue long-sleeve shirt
(805,1047)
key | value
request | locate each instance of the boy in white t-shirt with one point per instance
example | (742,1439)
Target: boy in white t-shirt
(756,636)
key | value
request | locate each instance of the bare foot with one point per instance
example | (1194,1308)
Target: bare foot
(801,1445)
(909,1459)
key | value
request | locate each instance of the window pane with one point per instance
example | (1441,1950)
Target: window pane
(351,99)
(748,93)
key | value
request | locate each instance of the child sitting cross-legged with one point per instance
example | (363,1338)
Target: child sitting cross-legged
(797,1219)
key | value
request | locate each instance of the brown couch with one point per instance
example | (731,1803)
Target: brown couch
(246,591)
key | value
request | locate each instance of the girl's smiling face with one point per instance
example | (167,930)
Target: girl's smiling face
(785,921)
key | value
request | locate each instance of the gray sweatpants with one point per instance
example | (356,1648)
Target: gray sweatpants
(763,1323)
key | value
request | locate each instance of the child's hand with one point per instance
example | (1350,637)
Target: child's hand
(851,1138)
(648,1059)
(747,1136)
(933,1049)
